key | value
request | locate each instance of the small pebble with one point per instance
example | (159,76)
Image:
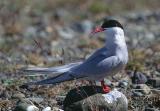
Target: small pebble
(47,109)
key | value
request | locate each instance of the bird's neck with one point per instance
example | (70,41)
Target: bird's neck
(116,45)
(115,38)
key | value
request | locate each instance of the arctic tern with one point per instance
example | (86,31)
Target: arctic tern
(106,61)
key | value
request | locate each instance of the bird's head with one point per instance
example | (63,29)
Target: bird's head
(108,25)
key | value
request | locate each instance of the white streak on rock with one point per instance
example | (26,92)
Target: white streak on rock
(113,96)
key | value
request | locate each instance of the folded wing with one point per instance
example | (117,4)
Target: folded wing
(67,76)
(51,70)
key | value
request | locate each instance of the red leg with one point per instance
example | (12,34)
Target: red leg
(106,89)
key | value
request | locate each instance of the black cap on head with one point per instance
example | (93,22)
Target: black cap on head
(111,23)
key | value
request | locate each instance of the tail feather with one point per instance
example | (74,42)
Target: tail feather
(52,70)
(54,80)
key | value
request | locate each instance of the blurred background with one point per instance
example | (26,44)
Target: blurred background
(43,32)
(48,33)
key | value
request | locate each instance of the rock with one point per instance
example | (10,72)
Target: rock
(65,32)
(36,99)
(157,73)
(30,32)
(138,78)
(47,109)
(4,104)
(143,88)
(77,27)
(89,98)
(107,82)
(62,14)
(155,82)
(87,26)
(60,99)
(57,109)
(151,109)
(25,105)
(135,93)
(52,101)
(123,83)
(18,96)
(149,36)
(84,27)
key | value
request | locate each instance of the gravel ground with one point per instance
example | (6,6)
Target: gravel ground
(30,37)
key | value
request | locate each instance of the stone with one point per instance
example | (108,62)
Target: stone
(18,96)
(57,109)
(89,98)
(84,27)
(151,109)
(60,99)
(36,99)
(65,32)
(25,105)
(87,26)
(123,83)
(155,82)
(107,82)
(139,94)
(47,109)
(138,78)
(143,88)
(30,32)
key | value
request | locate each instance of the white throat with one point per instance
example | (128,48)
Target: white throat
(115,36)
(115,43)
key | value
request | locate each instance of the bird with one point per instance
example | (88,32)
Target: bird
(105,61)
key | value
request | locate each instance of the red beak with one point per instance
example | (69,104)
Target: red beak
(98,29)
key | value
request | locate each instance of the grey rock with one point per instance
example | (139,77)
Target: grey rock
(46,109)
(35,99)
(30,32)
(62,14)
(157,73)
(60,99)
(87,26)
(138,78)
(123,83)
(57,109)
(151,109)
(84,27)
(155,82)
(149,36)
(18,96)
(53,59)
(88,98)
(65,32)
(143,88)
(25,105)
(107,82)
(137,94)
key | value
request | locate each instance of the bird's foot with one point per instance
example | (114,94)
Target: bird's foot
(105,88)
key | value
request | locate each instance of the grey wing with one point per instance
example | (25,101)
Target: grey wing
(101,51)
(59,69)
(98,66)
(85,70)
